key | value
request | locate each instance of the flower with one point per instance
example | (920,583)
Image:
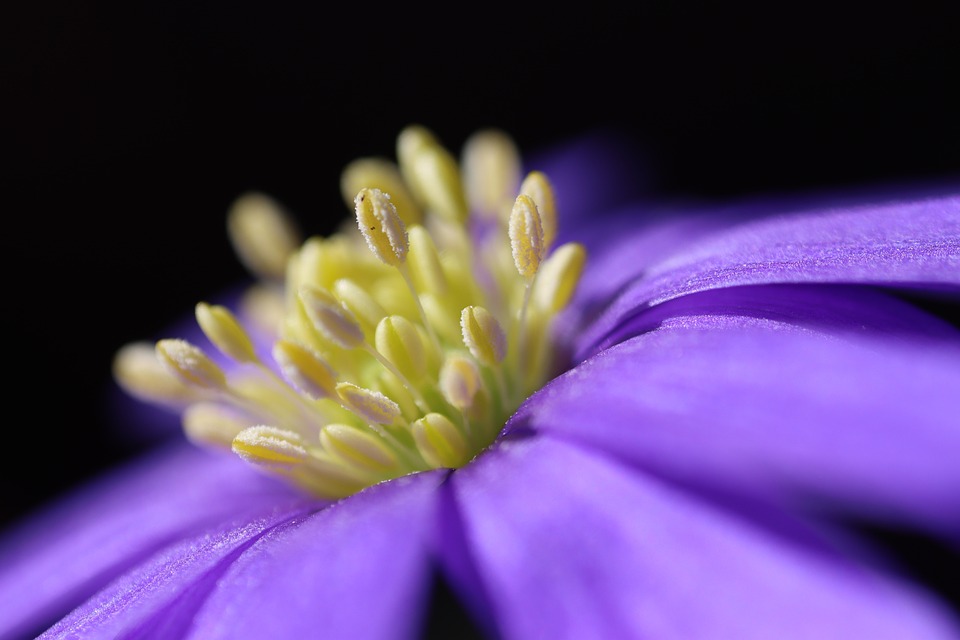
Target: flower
(734,379)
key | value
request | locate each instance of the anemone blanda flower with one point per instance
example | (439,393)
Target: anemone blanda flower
(729,377)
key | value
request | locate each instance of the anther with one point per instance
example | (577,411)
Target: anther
(191,364)
(359,447)
(424,261)
(440,442)
(398,340)
(213,425)
(333,319)
(137,369)
(559,276)
(370,405)
(270,447)
(526,236)
(483,335)
(459,381)
(223,330)
(537,186)
(382,228)
(305,369)
(491,169)
(262,234)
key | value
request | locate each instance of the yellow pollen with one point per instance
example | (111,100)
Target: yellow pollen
(400,344)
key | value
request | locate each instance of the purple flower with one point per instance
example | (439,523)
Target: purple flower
(734,379)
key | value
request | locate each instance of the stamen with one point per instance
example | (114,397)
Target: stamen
(335,321)
(223,330)
(370,405)
(262,234)
(137,369)
(483,335)
(399,342)
(358,446)
(381,227)
(213,425)
(558,277)
(270,447)
(491,166)
(538,187)
(305,369)
(191,364)
(440,442)
(526,236)
(369,379)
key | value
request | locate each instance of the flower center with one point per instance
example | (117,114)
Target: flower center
(397,346)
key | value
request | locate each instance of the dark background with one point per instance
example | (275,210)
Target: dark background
(134,125)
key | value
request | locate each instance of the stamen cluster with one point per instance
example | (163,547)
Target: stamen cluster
(400,345)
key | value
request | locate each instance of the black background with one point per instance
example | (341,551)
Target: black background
(132,127)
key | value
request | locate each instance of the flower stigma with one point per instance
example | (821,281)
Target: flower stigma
(400,344)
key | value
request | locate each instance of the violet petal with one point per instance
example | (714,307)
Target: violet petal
(573,545)
(53,560)
(913,244)
(770,408)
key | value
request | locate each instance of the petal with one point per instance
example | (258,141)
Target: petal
(573,545)
(823,307)
(159,597)
(54,560)
(354,569)
(907,244)
(358,569)
(770,408)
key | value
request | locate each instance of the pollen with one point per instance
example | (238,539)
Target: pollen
(399,344)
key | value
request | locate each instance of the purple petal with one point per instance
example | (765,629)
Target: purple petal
(907,244)
(354,569)
(573,545)
(769,408)
(159,597)
(824,307)
(57,558)
(358,569)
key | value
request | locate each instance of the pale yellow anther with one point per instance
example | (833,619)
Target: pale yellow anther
(191,364)
(434,175)
(382,228)
(491,170)
(224,331)
(360,447)
(379,173)
(212,425)
(459,381)
(330,317)
(358,300)
(425,267)
(305,369)
(398,340)
(262,234)
(558,277)
(270,447)
(411,140)
(483,335)
(370,405)
(537,186)
(137,369)
(440,442)
(526,236)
